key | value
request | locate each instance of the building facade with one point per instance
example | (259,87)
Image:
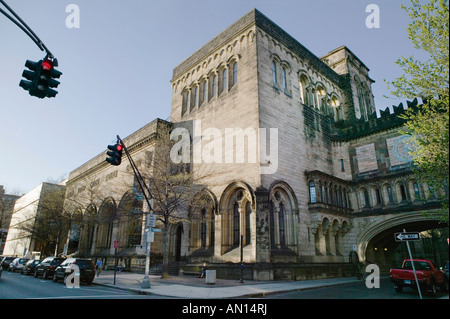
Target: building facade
(23,238)
(302,166)
(6,208)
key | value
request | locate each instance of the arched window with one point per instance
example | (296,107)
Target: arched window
(402,192)
(366,198)
(416,191)
(235,73)
(205,91)
(284,78)
(248,230)
(203,229)
(195,96)
(304,84)
(236,225)
(224,80)
(322,104)
(281,214)
(274,72)
(214,86)
(188,100)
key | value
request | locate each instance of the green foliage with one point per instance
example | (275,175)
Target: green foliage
(429,123)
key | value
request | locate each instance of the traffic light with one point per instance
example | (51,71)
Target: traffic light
(115,154)
(31,76)
(46,80)
(42,80)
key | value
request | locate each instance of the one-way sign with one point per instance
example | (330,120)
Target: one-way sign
(406,236)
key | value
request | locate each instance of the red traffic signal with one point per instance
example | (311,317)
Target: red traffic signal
(115,154)
(41,78)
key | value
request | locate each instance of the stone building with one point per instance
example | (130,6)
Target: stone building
(20,240)
(302,166)
(6,208)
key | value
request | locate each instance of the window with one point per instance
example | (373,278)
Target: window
(281,225)
(248,230)
(312,192)
(366,199)
(224,79)
(236,225)
(274,72)
(284,78)
(188,97)
(204,92)
(342,165)
(377,196)
(203,230)
(390,194)
(214,86)
(416,190)
(402,192)
(235,73)
(196,96)
(304,89)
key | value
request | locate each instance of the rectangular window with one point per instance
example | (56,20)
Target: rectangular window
(274,72)
(235,73)
(224,80)
(196,96)
(205,91)
(283,74)
(214,86)
(342,165)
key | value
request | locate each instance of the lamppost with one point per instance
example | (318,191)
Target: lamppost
(242,260)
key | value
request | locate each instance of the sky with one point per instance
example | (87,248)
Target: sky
(117,66)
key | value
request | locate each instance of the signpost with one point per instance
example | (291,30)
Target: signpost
(407,237)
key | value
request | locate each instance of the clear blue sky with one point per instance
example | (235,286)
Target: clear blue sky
(118,64)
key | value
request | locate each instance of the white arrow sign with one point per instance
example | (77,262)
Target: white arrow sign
(406,236)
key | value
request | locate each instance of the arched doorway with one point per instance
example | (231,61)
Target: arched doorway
(377,244)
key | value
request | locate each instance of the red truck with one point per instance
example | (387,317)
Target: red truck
(428,276)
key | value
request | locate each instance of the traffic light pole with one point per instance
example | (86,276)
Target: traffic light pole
(142,184)
(138,175)
(25,28)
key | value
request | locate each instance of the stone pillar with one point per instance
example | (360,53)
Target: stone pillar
(263,269)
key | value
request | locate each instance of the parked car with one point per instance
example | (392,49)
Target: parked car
(47,267)
(6,261)
(17,264)
(428,276)
(1,269)
(86,267)
(29,267)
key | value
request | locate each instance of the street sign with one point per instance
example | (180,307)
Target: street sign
(406,236)
(156,230)
(151,220)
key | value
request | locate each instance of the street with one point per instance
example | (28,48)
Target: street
(357,290)
(18,286)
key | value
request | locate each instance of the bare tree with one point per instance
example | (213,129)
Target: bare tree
(172,186)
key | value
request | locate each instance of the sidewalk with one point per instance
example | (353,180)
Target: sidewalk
(191,287)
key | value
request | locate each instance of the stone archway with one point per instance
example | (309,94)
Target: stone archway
(382,229)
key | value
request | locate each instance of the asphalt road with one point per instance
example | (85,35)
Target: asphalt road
(18,286)
(357,290)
